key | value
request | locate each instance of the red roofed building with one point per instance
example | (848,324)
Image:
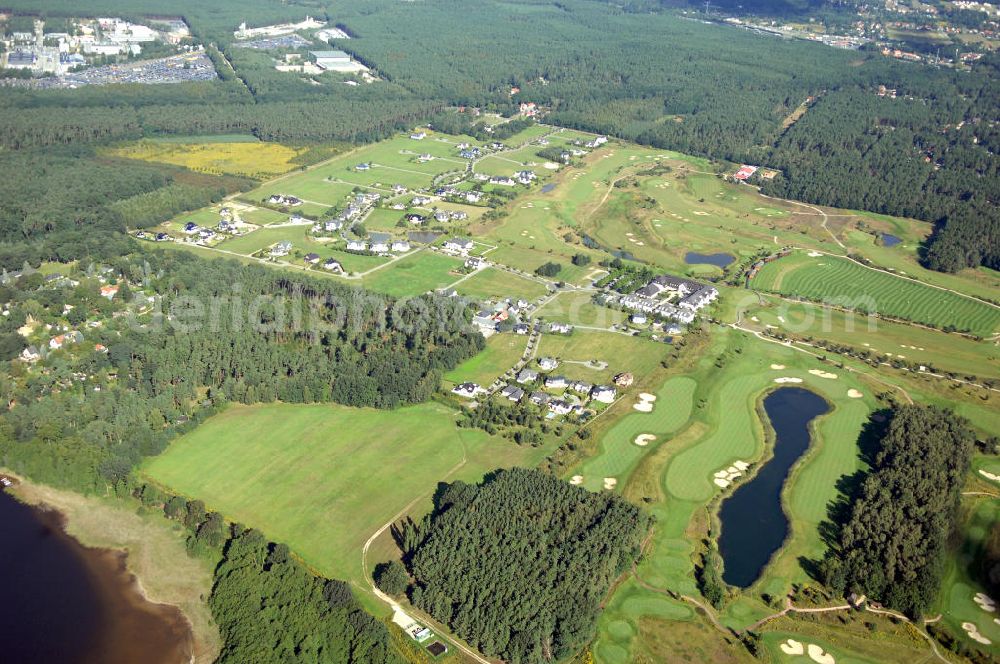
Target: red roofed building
(745,172)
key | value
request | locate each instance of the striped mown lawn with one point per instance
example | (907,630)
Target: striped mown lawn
(844,283)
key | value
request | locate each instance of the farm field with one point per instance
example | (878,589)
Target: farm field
(249,158)
(321,477)
(500,354)
(845,283)
(415,274)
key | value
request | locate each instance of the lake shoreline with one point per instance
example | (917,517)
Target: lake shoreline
(124,564)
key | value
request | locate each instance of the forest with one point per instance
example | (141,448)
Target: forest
(221,331)
(270,608)
(724,93)
(543,551)
(893,544)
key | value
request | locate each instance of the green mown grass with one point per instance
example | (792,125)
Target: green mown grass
(423,271)
(500,354)
(842,282)
(322,477)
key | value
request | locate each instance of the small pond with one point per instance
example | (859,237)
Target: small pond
(718,260)
(754,524)
(889,240)
(546,188)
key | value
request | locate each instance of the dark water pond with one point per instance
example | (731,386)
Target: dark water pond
(890,240)
(754,524)
(546,188)
(718,260)
(62,602)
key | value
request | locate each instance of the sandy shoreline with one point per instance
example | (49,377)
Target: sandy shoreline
(147,560)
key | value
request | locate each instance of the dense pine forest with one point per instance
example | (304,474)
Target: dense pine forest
(544,552)
(270,608)
(183,350)
(894,543)
(641,72)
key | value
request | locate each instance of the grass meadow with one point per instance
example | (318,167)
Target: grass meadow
(322,477)
(500,354)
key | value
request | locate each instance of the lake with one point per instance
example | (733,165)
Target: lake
(754,524)
(62,602)
(718,260)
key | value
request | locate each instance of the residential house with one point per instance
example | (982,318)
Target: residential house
(547,363)
(31,354)
(282,248)
(581,387)
(379,242)
(603,393)
(467,390)
(400,246)
(474,262)
(442,216)
(333,225)
(521,328)
(624,379)
(501,180)
(560,328)
(416,218)
(555,382)
(190,228)
(363,167)
(419,136)
(560,407)
(474,196)
(512,393)
(638,319)
(527,376)
(539,398)
(311,258)
(333,265)
(357,245)
(109,291)
(458,244)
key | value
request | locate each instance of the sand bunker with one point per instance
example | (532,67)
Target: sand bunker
(990,476)
(576,479)
(700,213)
(814,254)
(985,602)
(643,407)
(786,379)
(973,632)
(551,165)
(754,319)
(792,647)
(777,367)
(727,476)
(644,439)
(822,374)
(816,654)
(854,394)
(646,396)
(609,483)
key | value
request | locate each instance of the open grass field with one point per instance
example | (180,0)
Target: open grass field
(491,283)
(576,308)
(244,157)
(845,283)
(500,354)
(321,477)
(414,275)
(621,353)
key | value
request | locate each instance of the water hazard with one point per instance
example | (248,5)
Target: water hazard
(754,524)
